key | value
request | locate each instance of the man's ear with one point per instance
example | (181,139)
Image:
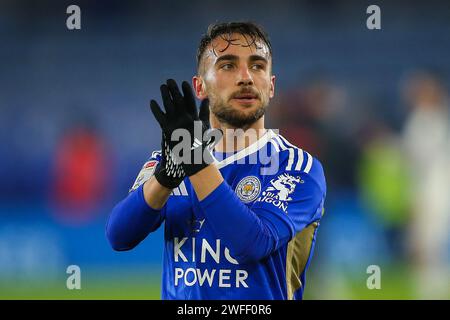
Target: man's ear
(272,86)
(199,87)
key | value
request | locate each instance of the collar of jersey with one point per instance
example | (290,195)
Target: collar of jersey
(254,147)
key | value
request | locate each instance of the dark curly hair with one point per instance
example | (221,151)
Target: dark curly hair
(250,29)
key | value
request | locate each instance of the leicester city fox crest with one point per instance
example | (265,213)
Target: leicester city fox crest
(248,189)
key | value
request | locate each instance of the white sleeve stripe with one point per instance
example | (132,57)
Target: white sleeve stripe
(299,163)
(291,159)
(183,189)
(299,160)
(282,146)
(288,143)
(176,192)
(275,145)
(291,152)
(309,163)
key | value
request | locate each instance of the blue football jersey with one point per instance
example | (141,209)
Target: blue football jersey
(273,178)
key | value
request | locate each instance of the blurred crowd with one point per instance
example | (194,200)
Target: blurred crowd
(400,171)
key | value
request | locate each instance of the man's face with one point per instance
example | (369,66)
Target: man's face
(236,71)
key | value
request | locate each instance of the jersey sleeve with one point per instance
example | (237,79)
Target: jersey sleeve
(295,197)
(132,219)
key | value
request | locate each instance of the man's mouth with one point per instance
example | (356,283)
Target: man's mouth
(245,98)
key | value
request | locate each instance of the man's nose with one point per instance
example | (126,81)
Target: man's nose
(245,78)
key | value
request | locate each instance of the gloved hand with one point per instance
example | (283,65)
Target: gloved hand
(168,172)
(192,152)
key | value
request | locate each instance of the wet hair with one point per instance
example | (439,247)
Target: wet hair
(251,31)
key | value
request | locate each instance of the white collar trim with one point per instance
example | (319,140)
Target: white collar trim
(254,147)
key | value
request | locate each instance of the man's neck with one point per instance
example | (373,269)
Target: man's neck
(235,139)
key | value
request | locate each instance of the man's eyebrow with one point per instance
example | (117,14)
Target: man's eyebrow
(227,57)
(256,57)
(232,57)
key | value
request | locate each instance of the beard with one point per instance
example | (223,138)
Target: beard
(225,113)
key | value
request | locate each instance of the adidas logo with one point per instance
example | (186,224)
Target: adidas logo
(197,143)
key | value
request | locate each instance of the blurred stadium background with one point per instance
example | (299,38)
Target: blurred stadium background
(75,128)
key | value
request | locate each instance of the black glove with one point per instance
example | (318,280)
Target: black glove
(168,172)
(181,113)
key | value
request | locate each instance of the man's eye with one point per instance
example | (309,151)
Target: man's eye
(258,67)
(226,66)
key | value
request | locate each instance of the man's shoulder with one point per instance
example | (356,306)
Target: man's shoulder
(294,160)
